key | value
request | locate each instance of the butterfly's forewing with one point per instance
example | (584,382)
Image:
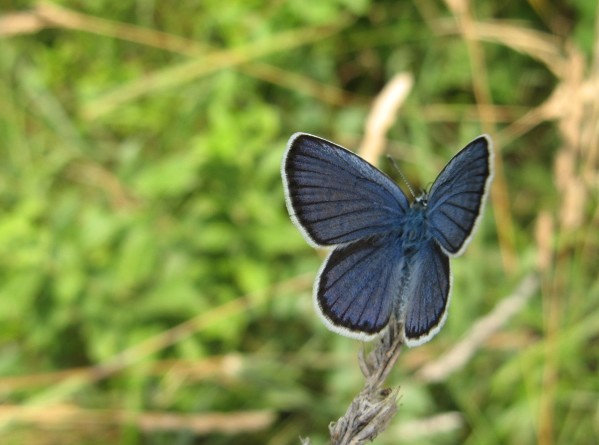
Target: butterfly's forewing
(358,286)
(427,294)
(456,199)
(335,197)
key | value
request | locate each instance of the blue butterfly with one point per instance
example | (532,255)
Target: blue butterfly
(389,257)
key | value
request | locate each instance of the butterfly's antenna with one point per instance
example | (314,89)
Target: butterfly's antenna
(405,180)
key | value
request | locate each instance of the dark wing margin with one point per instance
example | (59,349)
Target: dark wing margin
(335,197)
(427,295)
(457,197)
(357,287)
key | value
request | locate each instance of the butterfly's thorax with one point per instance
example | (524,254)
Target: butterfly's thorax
(414,229)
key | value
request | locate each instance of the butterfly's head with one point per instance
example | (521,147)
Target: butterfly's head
(421,201)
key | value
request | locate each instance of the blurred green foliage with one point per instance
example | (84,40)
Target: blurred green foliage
(121,222)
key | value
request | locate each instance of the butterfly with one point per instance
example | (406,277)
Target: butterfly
(389,257)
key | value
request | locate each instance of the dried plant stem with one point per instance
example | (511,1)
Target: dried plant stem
(373,408)
(461,353)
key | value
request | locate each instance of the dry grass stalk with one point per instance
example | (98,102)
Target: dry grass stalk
(544,238)
(372,409)
(383,114)
(463,351)
(422,429)
(47,15)
(74,417)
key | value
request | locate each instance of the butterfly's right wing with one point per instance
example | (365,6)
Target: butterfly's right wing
(457,197)
(426,296)
(335,197)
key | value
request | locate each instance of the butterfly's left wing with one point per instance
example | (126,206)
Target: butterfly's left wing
(427,294)
(358,285)
(335,197)
(457,197)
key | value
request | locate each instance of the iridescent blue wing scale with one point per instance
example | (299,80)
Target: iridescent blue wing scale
(335,197)
(457,197)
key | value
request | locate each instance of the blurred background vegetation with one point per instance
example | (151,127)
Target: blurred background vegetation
(152,287)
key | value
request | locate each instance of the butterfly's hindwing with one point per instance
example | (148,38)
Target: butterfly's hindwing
(334,196)
(457,197)
(427,294)
(358,286)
